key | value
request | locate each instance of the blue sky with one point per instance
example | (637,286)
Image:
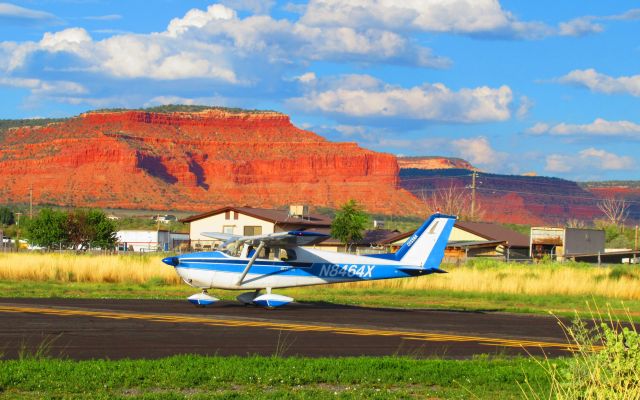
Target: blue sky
(513,87)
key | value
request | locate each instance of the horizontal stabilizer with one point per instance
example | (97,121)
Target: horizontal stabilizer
(422,271)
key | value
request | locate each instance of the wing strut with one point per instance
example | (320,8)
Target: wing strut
(250,263)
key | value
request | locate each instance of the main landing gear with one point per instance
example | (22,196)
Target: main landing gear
(268,300)
(202,299)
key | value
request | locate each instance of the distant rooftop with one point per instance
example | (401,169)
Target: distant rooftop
(370,237)
(280,217)
(490,231)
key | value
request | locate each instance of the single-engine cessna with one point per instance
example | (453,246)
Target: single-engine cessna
(277,260)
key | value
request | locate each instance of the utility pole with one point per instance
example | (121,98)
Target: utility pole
(635,246)
(31,201)
(17,238)
(473,195)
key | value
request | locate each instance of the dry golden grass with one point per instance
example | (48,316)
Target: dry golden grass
(85,268)
(493,277)
(522,279)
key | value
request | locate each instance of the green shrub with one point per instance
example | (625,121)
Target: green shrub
(605,365)
(619,272)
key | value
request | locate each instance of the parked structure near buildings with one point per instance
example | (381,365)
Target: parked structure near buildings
(562,243)
(165,219)
(478,239)
(150,240)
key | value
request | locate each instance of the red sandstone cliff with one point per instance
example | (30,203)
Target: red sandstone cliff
(192,161)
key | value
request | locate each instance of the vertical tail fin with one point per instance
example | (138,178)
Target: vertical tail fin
(425,248)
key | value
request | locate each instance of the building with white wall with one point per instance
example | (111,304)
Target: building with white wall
(141,240)
(248,221)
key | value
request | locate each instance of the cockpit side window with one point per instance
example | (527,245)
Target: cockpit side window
(264,253)
(287,255)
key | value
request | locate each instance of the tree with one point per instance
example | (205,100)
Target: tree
(6,216)
(454,200)
(103,230)
(90,228)
(349,224)
(615,210)
(47,229)
(78,229)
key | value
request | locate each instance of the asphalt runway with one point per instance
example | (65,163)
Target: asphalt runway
(114,329)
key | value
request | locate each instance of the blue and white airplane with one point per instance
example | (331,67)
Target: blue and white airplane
(277,260)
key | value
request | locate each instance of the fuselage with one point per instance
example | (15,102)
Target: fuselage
(303,267)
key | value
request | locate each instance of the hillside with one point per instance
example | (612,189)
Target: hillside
(511,198)
(191,160)
(195,158)
(627,190)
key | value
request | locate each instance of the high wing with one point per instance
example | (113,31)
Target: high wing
(286,239)
(278,239)
(227,237)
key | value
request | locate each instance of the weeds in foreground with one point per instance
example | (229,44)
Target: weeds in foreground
(283,344)
(605,365)
(41,352)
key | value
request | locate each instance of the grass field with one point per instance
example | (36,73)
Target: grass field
(475,286)
(198,377)
(560,288)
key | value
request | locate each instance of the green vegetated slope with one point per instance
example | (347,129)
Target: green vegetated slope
(16,123)
(601,184)
(184,108)
(198,377)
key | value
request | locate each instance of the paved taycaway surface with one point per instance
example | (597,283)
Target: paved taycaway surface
(100,328)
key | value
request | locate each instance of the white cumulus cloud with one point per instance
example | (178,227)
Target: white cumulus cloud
(579,27)
(307,77)
(365,96)
(39,87)
(588,160)
(478,151)
(476,17)
(196,18)
(217,44)
(165,100)
(68,40)
(599,127)
(602,83)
